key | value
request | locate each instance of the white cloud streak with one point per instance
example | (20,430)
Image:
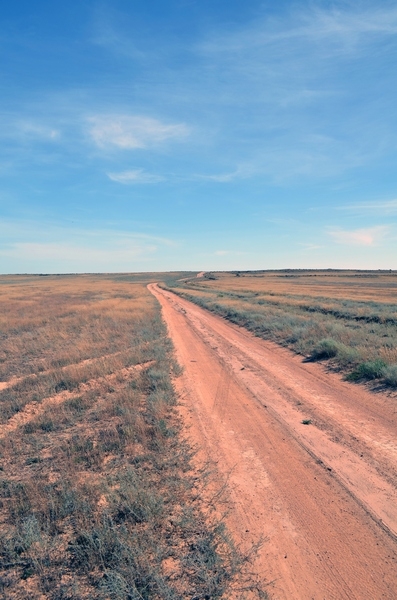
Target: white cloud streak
(221,177)
(33,247)
(135,176)
(266,94)
(293,76)
(369,236)
(241,172)
(228,253)
(310,247)
(130,132)
(79,254)
(27,129)
(381,207)
(340,27)
(30,129)
(352,26)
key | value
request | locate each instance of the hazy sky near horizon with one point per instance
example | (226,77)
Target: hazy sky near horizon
(198,134)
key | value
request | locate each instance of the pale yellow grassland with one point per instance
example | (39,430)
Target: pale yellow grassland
(349,285)
(50,321)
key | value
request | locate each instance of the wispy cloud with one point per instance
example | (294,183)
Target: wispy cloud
(33,231)
(352,25)
(370,236)
(264,92)
(241,172)
(28,129)
(35,247)
(75,253)
(129,132)
(221,177)
(346,25)
(381,207)
(288,78)
(310,247)
(117,30)
(110,37)
(228,253)
(135,176)
(31,129)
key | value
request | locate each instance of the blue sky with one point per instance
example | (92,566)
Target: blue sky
(197,134)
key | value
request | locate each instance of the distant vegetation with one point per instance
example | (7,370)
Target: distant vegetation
(347,318)
(98,496)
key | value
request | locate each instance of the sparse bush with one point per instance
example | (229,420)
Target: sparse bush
(47,425)
(64,385)
(368,370)
(77,404)
(326,348)
(389,374)
(347,356)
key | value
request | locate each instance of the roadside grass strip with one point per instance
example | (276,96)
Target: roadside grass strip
(357,337)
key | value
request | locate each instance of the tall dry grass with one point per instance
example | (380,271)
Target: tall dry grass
(346,318)
(98,496)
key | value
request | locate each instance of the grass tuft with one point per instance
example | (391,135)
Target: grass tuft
(326,348)
(367,371)
(389,374)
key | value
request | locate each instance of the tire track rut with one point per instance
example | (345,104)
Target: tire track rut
(326,505)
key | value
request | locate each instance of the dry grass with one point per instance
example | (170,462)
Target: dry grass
(379,286)
(98,498)
(348,318)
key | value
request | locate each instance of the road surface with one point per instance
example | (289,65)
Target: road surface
(311,460)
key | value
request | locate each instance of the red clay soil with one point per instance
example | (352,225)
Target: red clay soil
(322,494)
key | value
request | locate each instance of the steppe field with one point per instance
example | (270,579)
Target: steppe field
(290,381)
(349,317)
(98,496)
(199,436)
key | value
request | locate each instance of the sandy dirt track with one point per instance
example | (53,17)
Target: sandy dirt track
(323,495)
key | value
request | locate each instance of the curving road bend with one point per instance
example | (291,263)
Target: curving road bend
(322,494)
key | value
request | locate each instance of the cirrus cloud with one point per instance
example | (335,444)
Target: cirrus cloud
(130,132)
(369,236)
(36,247)
(385,207)
(135,176)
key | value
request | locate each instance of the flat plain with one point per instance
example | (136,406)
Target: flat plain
(226,435)
(98,496)
(349,317)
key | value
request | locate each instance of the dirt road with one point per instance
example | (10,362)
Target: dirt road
(323,494)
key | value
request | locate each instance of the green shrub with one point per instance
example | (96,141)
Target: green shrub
(389,374)
(348,356)
(326,348)
(368,370)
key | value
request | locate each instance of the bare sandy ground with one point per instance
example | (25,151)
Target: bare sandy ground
(323,494)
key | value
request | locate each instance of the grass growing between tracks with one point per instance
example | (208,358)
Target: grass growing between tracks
(346,318)
(98,497)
